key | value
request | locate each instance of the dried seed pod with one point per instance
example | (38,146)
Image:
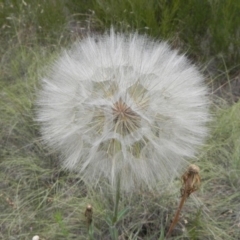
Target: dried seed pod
(89,214)
(191,180)
(191,183)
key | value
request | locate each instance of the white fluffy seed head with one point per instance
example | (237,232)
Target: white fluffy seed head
(36,237)
(124,104)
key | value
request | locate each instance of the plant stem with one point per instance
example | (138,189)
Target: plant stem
(176,217)
(115,213)
(89,216)
(117,197)
(191,180)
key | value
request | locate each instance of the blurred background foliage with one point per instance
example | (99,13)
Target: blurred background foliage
(208,30)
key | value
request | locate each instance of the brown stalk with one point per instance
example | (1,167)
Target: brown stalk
(88,214)
(191,182)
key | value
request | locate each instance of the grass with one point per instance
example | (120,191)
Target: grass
(38,197)
(206,29)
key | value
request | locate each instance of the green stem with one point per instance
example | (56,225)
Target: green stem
(90,232)
(117,197)
(115,214)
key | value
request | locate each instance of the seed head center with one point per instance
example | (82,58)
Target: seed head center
(125,118)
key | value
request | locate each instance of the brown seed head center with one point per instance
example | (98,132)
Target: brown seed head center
(121,110)
(124,117)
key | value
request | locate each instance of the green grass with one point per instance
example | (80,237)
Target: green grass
(206,29)
(38,197)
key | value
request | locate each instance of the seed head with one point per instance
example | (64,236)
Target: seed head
(127,105)
(35,237)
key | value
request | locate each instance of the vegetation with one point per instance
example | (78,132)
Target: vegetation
(38,197)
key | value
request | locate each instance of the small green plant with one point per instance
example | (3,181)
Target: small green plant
(60,221)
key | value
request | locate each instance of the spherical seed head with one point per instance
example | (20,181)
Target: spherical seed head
(127,105)
(35,238)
